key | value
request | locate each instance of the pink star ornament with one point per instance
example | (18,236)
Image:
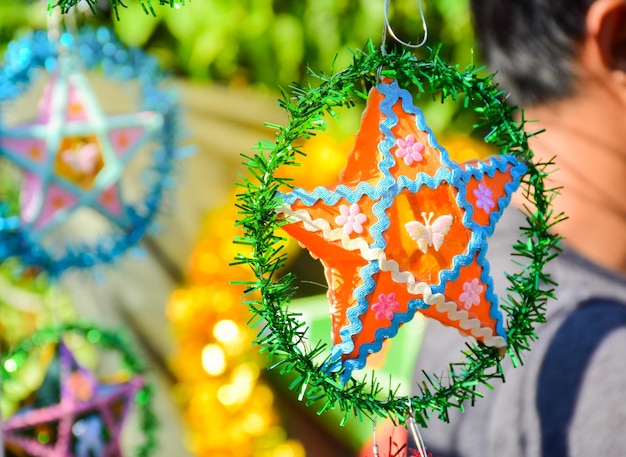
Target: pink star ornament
(86,421)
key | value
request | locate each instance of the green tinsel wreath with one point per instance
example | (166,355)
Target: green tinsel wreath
(14,359)
(281,329)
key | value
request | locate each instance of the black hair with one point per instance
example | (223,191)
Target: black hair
(531,45)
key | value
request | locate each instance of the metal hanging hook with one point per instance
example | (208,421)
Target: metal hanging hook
(388,29)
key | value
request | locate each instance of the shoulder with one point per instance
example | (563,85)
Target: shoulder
(580,382)
(568,395)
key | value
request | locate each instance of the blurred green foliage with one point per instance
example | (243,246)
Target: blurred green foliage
(267,42)
(273,41)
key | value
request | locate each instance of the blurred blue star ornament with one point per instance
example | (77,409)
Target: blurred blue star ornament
(73,155)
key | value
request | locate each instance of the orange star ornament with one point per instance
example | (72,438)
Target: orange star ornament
(405,230)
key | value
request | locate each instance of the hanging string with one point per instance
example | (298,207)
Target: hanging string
(415,434)
(54,25)
(60,24)
(389,29)
(375,443)
(71,21)
(55,30)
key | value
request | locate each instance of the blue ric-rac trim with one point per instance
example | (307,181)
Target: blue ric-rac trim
(481,259)
(497,163)
(362,305)
(475,244)
(479,246)
(494,311)
(490,166)
(331,196)
(379,338)
(385,126)
(414,185)
(394,92)
(355,327)
(352,314)
(376,230)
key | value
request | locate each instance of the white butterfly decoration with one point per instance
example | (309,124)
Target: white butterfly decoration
(428,234)
(83,158)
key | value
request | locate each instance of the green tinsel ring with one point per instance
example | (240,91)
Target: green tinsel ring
(281,329)
(105,339)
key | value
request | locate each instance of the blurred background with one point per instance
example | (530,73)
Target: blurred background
(228,60)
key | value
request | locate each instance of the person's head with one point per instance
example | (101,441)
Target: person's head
(535,45)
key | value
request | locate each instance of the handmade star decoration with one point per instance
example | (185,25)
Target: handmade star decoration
(85,420)
(73,155)
(77,162)
(405,230)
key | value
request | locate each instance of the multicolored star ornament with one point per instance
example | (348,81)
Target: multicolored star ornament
(74,155)
(405,230)
(85,421)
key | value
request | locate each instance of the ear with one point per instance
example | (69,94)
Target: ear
(605,41)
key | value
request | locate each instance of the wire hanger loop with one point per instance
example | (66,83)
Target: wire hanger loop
(389,29)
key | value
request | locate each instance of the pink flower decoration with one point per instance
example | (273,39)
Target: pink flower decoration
(410,150)
(351,219)
(484,198)
(385,306)
(471,293)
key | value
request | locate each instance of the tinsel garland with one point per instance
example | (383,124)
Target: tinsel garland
(27,302)
(279,327)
